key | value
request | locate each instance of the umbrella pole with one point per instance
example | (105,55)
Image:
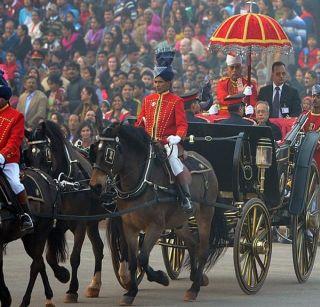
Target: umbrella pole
(249,66)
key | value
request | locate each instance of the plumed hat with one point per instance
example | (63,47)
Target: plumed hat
(164,58)
(5,90)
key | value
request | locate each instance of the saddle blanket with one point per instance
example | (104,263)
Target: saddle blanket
(194,165)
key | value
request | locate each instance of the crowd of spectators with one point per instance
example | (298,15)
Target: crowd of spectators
(80,63)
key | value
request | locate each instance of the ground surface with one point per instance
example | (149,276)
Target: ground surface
(280,288)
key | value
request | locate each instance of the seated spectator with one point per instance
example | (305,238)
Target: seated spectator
(56,97)
(11,66)
(10,37)
(73,125)
(306,104)
(308,55)
(54,68)
(52,21)
(72,17)
(72,41)
(84,136)
(34,26)
(25,14)
(89,101)
(310,79)
(262,118)
(129,103)
(96,124)
(132,59)
(52,42)
(117,113)
(105,107)
(24,45)
(107,43)
(93,37)
(34,72)
(57,118)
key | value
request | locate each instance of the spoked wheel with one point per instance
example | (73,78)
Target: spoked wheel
(305,229)
(117,247)
(252,246)
(173,250)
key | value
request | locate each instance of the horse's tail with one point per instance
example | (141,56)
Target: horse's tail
(57,245)
(218,238)
(116,239)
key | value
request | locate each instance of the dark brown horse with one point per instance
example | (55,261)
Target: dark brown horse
(50,151)
(129,154)
(43,198)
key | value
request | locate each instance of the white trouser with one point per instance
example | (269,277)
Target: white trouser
(12,171)
(175,163)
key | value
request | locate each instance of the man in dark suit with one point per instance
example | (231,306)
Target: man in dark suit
(262,119)
(236,108)
(283,99)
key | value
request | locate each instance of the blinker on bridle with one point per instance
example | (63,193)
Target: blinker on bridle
(110,152)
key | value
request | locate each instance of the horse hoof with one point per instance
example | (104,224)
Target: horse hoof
(92,292)
(126,300)
(163,279)
(50,305)
(205,280)
(190,296)
(71,298)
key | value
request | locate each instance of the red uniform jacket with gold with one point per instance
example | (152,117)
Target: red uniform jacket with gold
(227,87)
(11,133)
(163,115)
(313,124)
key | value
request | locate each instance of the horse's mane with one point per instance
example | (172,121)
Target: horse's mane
(56,135)
(136,138)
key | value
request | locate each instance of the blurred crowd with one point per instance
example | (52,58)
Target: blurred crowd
(80,63)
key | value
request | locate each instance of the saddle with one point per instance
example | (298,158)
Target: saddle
(192,165)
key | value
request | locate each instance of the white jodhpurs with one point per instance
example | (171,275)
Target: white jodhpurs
(12,171)
(175,163)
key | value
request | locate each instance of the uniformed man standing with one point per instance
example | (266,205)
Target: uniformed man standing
(235,84)
(164,119)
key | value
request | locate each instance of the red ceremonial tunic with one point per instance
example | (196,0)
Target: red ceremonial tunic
(163,115)
(313,124)
(226,87)
(11,133)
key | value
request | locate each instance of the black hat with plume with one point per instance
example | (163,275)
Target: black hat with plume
(164,58)
(5,90)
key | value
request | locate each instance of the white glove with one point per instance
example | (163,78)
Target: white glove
(214,109)
(247,90)
(173,139)
(2,159)
(249,110)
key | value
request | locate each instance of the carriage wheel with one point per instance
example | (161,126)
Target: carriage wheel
(116,256)
(305,229)
(173,250)
(252,246)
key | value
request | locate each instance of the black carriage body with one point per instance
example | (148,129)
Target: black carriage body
(231,149)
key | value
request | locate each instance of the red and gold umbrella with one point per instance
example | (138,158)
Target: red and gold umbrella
(246,33)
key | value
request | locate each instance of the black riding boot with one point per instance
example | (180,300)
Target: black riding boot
(26,223)
(185,197)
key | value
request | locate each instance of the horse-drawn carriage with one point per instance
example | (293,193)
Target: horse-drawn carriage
(261,184)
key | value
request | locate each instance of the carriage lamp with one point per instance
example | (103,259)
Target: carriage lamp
(263,159)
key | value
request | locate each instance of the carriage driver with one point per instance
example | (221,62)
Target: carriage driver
(163,117)
(11,137)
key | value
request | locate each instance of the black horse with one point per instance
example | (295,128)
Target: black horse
(49,151)
(42,197)
(128,154)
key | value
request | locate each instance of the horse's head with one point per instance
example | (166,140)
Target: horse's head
(118,150)
(38,154)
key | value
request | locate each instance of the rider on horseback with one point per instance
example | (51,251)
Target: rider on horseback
(11,137)
(163,117)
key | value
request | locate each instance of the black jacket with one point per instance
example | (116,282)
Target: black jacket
(275,130)
(289,98)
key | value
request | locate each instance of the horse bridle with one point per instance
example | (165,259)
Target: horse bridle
(110,151)
(35,150)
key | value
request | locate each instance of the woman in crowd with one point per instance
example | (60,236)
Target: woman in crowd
(24,45)
(113,66)
(117,113)
(107,43)
(89,101)
(93,37)
(56,97)
(84,136)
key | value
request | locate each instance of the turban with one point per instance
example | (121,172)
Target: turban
(163,69)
